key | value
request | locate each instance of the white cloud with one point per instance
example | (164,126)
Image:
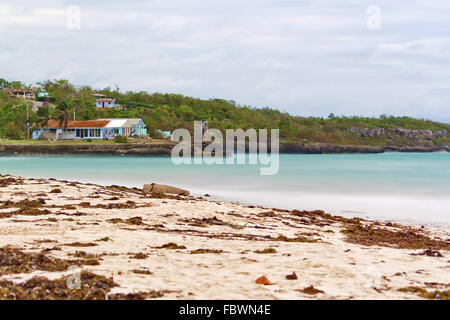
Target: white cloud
(304,57)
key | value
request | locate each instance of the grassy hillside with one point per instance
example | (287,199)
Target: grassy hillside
(171,111)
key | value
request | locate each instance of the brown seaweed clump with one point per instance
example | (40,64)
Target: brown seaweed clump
(92,287)
(81,244)
(296,239)
(16,261)
(266,251)
(402,239)
(204,222)
(201,251)
(22,204)
(5,182)
(421,292)
(132,221)
(140,271)
(153,294)
(139,255)
(26,208)
(171,246)
(125,205)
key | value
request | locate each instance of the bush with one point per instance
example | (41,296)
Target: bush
(12,131)
(121,139)
(89,140)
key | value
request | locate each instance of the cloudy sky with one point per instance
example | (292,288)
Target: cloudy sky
(301,56)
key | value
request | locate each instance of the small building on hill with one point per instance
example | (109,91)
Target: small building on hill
(91,129)
(22,93)
(103,103)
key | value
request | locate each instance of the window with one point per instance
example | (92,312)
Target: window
(94,133)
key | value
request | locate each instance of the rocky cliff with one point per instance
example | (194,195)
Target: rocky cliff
(406,133)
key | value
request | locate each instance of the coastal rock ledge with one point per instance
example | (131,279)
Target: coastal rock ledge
(165,148)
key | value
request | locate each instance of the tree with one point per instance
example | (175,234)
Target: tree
(4,83)
(43,116)
(63,112)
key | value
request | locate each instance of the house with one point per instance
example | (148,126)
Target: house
(22,93)
(125,127)
(105,103)
(42,94)
(91,129)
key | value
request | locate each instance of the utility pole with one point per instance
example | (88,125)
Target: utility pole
(28,124)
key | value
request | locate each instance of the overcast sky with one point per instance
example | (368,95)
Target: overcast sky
(301,56)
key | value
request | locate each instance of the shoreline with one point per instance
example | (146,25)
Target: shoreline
(187,247)
(165,148)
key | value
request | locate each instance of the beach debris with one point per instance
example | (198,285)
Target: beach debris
(14,260)
(153,294)
(93,287)
(104,239)
(311,290)
(296,239)
(141,271)
(263,280)
(5,182)
(162,189)
(22,204)
(139,255)
(132,221)
(292,276)
(204,222)
(26,211)
(269,214)
(440,295)
(80,244)
(170,246)
(201,251)
(265,251)
(406,238)
(125,205)
(429,253)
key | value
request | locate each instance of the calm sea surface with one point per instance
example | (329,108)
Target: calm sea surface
(396,186)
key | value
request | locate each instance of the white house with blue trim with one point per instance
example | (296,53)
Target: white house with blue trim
(92,129)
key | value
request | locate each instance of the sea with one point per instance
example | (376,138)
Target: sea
(401,187)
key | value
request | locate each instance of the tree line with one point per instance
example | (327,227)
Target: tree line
(170,111)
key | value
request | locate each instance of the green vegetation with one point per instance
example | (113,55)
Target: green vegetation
(171,111)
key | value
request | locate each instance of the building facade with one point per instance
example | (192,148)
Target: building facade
(91,129)
(22,93)
(105,103)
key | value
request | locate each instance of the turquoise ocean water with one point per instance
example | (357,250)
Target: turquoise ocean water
(408,187)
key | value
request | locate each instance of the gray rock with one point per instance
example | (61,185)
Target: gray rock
(368,132)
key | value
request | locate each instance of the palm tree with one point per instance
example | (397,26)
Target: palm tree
(63,112)
(43,116)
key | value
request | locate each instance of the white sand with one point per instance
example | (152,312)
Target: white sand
(340,269)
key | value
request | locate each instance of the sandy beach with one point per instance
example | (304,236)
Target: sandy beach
(145,246)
